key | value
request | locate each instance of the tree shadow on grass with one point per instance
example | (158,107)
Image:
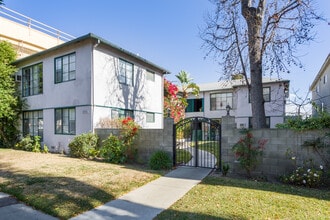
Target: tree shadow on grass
(175,214)
(321,194)
(62,197)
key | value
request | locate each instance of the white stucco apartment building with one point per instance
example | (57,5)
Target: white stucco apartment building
(320,87)
(70,87)
(214,97)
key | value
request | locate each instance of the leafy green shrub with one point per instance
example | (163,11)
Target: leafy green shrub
(112,150)
(45,149)
(304,176)
(322,121)
(247,150)
(84,145)
(225,169)
(36,147)
(25,144)
(160,160)
(29,143)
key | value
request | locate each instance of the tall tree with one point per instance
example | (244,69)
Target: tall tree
(258,37)
(9,101)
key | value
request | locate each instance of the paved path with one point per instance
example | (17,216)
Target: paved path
(149,200)
(144,203)
(11,209)
(205,158)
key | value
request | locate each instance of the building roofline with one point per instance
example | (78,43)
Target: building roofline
(100,40)
(317,77)
(230,84)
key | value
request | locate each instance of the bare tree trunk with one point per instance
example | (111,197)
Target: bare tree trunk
(254,18)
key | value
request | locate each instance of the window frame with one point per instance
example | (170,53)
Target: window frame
(325,79)
(213,101)
(150,75)
(61,71)
(148,119)
(122,113)
(263,94)
(36,120)
(123,72)
(193,105)
(267,122)
(30,85)
(71,130)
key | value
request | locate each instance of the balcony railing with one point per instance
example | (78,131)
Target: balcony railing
(34,24)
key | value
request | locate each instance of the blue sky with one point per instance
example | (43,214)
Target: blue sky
(164,32)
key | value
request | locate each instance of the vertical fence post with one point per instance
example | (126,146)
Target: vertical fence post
(174,144)
(195,129)
(220,161)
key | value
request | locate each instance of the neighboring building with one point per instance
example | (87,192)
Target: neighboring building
(27,35)
(320,88)
(214,97)
(70,87)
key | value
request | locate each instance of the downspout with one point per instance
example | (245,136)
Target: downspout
(92,85)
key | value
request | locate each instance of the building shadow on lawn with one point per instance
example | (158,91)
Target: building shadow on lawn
(61,197)
(322,194)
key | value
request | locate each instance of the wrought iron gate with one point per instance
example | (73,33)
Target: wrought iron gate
(197,142)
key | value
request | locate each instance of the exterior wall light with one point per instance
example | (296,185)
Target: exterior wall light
(228,109)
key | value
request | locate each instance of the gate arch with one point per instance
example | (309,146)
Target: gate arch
(197,142)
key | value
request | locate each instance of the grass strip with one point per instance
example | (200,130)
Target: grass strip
(228,198)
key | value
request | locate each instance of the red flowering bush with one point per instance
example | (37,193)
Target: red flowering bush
(129,130)
(172,102)
(247,150)
(119,149)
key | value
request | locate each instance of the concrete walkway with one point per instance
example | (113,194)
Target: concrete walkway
(11,209)
(144,203)
(149,200)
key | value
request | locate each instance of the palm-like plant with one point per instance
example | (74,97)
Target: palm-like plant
(187,85)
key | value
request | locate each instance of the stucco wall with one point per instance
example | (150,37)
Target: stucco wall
(321,91)
(241,108)
(144,96)
(75,93)
(275,161)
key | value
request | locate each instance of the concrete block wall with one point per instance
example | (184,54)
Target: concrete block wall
(148,140)
(275,161)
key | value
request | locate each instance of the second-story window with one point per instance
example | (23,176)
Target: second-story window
(65,68)
(32,83)
(266,94)
(221,100)
(150,76)
(125,72)
(195,105)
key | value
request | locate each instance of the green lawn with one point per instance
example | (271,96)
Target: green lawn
(227,198)
(64,187)
(182,156)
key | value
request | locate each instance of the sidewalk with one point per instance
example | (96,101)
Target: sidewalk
(11,209)
(143,203)
(149,200)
